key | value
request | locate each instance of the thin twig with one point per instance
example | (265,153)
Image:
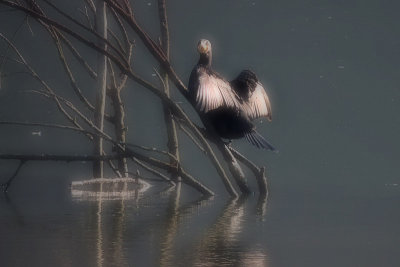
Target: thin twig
(7,184)
(152,170)
(36,76)
(92,31)
(191,137)
(71,77)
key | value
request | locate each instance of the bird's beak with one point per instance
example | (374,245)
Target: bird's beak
(202,48)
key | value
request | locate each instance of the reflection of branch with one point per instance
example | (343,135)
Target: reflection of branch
(7,184)
(222,235)
(171,227)
(261,207)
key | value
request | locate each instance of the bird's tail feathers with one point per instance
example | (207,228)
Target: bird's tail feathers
(259,141)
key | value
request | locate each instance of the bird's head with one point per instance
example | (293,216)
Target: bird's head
(204,47)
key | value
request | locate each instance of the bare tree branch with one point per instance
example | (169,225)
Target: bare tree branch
(186,178)
(122,64)
(101,83)
(152,170)
(172,143)
(123,10)
(188,134)
(78,56)
(36,76)
(259,173)
(71,77)
(92,31)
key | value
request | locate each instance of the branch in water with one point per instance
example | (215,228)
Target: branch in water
(258,172)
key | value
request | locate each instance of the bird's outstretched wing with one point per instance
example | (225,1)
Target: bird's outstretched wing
(257,105)
(214,92)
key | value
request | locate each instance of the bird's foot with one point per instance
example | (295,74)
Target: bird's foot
(227,143)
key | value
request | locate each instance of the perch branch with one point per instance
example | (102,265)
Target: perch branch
(258,172)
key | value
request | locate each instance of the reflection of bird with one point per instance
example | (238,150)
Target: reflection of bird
(228,107)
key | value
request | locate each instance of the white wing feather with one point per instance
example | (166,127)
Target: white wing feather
(258,104)
(213,93)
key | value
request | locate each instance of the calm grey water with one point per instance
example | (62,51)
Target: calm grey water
(334,80)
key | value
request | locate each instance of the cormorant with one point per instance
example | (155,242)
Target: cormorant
(228,107)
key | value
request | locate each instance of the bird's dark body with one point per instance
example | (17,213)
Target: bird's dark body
(228,108)
(229,123)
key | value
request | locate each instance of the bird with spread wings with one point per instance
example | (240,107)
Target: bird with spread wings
(229,107)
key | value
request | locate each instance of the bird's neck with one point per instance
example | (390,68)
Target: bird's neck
(205,60)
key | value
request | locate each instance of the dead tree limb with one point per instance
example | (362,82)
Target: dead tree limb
(172,143)
(45,85)
(101,84)
(186,178)
(128,153)
(119,120)
(126,13)
(71,77)
(120,61)
(98,34)
(78,56)
(191,137)
(153,171)
(234,168)
(259,172)
(174,108)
